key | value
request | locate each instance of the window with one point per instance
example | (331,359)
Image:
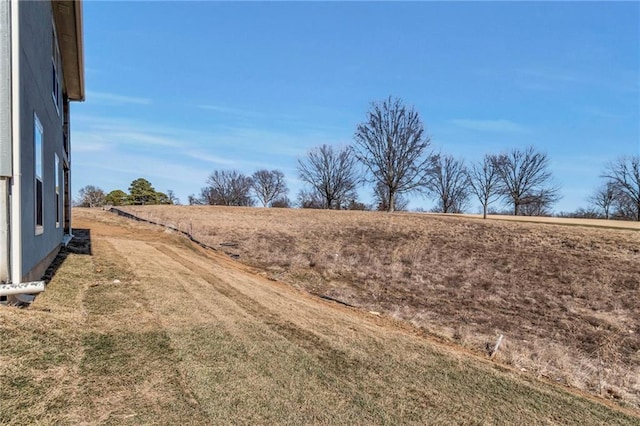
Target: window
(39,173)
(56,90)
(57,189)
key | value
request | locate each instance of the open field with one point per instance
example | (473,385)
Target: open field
(566,298)
(151,329)
(598,223)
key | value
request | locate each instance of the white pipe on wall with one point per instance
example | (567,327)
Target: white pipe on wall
(21,288)
(16,189)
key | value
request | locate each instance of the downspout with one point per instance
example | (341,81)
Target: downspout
(5,137)
(16,136)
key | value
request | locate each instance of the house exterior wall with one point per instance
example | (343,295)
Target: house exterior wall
(5,93)
(5,136)
(36,87)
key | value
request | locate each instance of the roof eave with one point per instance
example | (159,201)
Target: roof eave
(68,19)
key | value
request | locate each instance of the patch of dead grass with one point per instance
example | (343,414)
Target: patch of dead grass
(566,298)
(88,351)
(190,337)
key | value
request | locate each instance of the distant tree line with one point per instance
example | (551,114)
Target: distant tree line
(232,188)
(392,154)
(141,192)
(618,195)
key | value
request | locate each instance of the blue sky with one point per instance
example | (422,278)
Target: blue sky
(176,90)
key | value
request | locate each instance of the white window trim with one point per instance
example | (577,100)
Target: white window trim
(37,127)
(56,90)
(58,197)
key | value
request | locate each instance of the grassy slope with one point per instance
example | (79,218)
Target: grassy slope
(89,351)
(565,297)
(190,337)
(566,221)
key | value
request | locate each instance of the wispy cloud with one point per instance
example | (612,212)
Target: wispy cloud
(502,126)
(144,138)
(115,99)
(552,75)
(602,113)
(131,166)
(116,170)
(549,79)
(112,151)
(231,110)
(297,120)
(114,132)
(213,159)
(87,143)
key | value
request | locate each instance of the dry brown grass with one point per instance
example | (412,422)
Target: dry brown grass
(565,297)
(151,329)
(90,351)
(597,223)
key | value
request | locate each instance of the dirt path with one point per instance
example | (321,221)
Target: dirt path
(151,329)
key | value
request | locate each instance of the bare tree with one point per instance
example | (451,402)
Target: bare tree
(624,174)
(194,201)
(309,200)
(162,198)
(91,196)
(538,203)
(282,203)
(332,174)
(581,213)
(172,198)
(392,145)
(525,179)
(449,182)
(604,198)
(354,204)
(268,186)
(624,208)
(227,188)
(484,181)
(381,198)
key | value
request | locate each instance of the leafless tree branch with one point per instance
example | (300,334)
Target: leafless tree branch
(333,174)
(268,186)
(483,181)
(449,182)
(392,145)
(624,174)
(525,179)
(227,188)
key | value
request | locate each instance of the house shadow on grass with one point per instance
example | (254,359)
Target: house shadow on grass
(79,244)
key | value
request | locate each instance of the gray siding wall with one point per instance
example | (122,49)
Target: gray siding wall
(36,34)
(5,92)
